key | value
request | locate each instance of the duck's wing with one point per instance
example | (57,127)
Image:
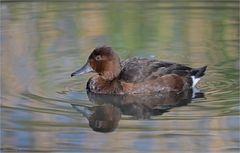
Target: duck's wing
(142,69)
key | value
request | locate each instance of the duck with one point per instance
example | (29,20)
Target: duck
(136,75)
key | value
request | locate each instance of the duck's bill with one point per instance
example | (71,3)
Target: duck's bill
(85,69)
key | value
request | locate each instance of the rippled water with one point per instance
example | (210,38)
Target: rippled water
(43,109)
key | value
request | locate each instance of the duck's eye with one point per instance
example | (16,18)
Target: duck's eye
(98,58)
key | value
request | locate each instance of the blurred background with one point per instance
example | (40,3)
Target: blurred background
(42,43)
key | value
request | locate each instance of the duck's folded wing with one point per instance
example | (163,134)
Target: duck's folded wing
(142,69)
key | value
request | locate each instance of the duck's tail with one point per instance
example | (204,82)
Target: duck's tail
(196,74)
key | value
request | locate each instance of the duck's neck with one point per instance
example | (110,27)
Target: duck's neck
(110,70)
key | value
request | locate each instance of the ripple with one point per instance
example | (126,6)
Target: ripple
(221,83)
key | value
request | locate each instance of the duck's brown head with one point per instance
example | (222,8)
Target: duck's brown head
(104,61)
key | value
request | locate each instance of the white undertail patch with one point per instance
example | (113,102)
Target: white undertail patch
(194,80)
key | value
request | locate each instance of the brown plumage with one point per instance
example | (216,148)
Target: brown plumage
(136,75)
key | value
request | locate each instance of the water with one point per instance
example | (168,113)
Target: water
(43,109)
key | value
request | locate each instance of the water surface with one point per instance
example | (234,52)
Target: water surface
(43,109)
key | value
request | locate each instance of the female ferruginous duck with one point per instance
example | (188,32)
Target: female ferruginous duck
(136,75)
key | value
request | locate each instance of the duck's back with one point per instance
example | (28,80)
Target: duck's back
(141,69)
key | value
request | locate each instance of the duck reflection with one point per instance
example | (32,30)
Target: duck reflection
(105,116)
(102,118)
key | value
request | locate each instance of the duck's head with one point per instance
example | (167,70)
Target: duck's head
(104,61)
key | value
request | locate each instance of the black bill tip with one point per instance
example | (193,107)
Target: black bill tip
(73,74)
